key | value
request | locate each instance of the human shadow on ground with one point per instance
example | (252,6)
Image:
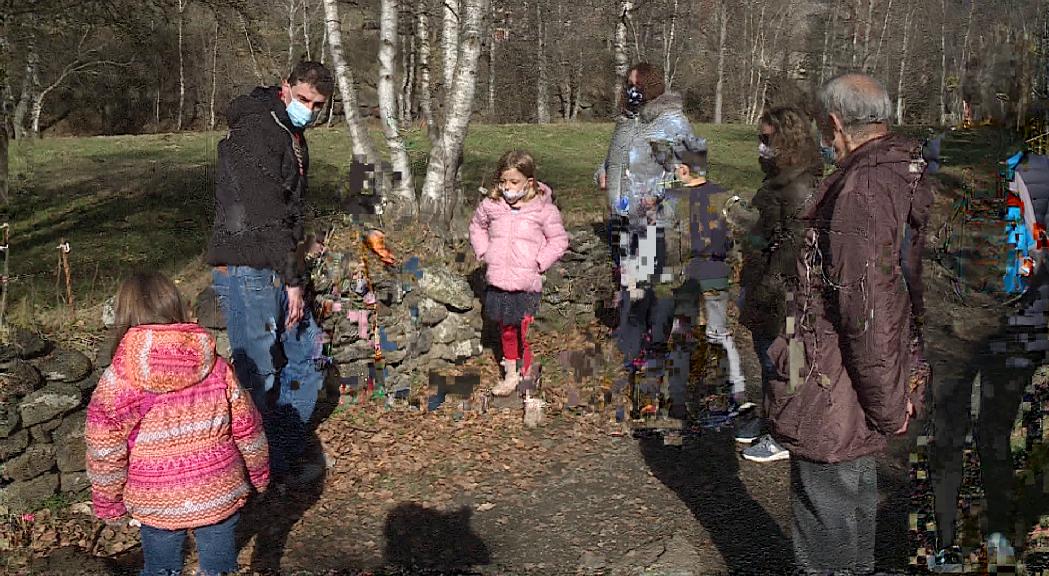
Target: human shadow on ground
(704,473)
(269,518)
(422,540)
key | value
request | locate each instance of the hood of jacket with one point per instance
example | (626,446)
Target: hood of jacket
(901,155)
(666,102)
(161,358)
(262,100)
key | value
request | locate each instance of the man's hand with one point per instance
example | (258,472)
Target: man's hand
(295,306)
(602,181)
(907,419)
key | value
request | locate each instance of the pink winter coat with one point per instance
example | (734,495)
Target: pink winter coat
(518,245)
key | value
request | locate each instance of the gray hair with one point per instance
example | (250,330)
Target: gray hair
(857,100)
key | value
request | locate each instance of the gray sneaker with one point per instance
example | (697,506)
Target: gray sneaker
(766,449)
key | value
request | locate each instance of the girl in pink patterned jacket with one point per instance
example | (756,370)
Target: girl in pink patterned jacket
(517,232)
(173,441)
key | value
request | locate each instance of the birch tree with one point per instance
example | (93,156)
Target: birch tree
(360,140)
(900,101)
(719,87)
(438,193)
(30,85)
(181,65)
(619,53)
(422,39)
(542,97)
(291,34)
(214,73)
(449,48)
(943,62)
(403,193)
(668,46)
(828,35)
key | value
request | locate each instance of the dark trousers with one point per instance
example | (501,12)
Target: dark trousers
(835,507)
(162,549)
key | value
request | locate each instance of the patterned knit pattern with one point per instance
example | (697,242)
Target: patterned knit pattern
(172,438)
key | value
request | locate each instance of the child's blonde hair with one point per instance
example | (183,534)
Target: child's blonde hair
(521,161)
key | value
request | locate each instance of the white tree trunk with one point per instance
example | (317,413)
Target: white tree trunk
(881,38)
(407,95)
(422,38)
(542,85)
(251,49)
(181,66)
(403,193)
(828,35)
(619,54)
(943,62)
(438,193)
(855,32)
(668,47)
(30,86)
(491,77)
(361,142)
(719,87)
(449,49)
(900,102)
(306,27)
(214,74)
(291,34)
(577,87)
(867,35)
(963,66)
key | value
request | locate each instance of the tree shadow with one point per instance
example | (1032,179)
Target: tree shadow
(424,539)
(705,476)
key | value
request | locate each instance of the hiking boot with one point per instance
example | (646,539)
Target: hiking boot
(946,561)
(509,383)
(749,430)
(766,449)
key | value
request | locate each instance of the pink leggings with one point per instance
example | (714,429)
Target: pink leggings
(510,335)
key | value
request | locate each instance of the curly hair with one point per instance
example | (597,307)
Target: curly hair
(649,79)
(793,139)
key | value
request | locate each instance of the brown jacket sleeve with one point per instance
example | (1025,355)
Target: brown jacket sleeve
(872,308)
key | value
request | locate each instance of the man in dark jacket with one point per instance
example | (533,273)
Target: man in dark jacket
(842,365)
(256,250)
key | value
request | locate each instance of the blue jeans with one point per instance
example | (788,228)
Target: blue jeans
(162,549)
(255,302)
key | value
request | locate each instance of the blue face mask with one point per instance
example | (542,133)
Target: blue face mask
(299,114)
(829,155)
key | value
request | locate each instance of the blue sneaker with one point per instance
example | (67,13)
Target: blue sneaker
(766,449)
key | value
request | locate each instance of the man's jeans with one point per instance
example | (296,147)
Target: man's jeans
(255,302)
(162,549)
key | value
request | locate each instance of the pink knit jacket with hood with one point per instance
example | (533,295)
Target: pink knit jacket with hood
(518,245)
(172,438)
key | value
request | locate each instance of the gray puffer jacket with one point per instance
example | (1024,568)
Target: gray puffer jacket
(629,166)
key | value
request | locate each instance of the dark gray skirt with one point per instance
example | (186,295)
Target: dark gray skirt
(510,307)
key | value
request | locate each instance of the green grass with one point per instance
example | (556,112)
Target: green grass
(133,202)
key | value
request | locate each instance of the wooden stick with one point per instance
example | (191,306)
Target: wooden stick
(4,279)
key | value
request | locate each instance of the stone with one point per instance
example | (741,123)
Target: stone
(467,349)
(22,343)
(446,331)
(74,482)
(88,384)
(441,351)
(71,450)
(208,310)
(23,496)
(36,460)
(19,378)
(41,433)
(452,290)
(14,444)
(476,320)
(51,401)
(431,313)
(9,419)
(591,561)
(360,350)
(424,342)
(65,365)
(680,558)
(109,312)
(223,347)
(395,356)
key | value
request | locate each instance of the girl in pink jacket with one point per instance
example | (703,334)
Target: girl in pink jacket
(173,441)
(517,232)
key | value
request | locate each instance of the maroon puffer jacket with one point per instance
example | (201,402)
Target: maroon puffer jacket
(847,341)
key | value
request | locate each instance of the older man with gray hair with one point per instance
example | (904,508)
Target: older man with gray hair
(845,353)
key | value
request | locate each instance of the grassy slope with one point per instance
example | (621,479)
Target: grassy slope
(132,202)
